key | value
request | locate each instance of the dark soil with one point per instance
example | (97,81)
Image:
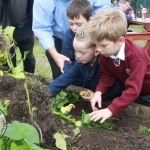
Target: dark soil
(125,136)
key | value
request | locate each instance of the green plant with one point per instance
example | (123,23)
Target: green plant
(144,128)
(31,110)
(60,142)
(60,137)
(26,137)
(5,58)
(4,106)
(86,122)
(63,98)
(62,111)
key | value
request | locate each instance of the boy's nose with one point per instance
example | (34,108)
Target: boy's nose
(74,27)
(99,49)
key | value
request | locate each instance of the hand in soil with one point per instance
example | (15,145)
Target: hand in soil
(101,114)
(96,99)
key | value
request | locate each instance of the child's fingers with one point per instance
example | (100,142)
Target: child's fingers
(86,98)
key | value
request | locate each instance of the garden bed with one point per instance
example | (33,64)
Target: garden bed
(126,134)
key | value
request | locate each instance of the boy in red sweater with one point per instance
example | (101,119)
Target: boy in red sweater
(119,58)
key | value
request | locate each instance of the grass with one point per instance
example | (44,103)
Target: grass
(42,65)
(138,28)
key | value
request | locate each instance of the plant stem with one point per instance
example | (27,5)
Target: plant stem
(41,136)
(28,100)
(64,117)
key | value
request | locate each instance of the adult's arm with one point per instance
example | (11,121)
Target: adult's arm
(99,5)
(43,21)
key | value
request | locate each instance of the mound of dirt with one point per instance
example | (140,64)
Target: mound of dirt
(125,136)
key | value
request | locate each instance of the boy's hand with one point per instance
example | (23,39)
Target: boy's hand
(88,98)
(96,99)
(101,114)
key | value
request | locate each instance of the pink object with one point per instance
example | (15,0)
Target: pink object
(131,13)
(144,11)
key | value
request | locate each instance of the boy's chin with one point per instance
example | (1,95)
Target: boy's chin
(81,62)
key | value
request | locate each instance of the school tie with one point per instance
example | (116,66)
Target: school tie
(116,62)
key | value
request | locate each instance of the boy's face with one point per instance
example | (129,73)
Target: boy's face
(77,23)
(108,48)
(124,6)
(83,53)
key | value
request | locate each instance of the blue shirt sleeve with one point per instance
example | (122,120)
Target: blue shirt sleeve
(50,19)
(99,5)
(43,21)
(64,80)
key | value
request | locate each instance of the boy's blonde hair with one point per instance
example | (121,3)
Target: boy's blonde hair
(81,35)
(107,24)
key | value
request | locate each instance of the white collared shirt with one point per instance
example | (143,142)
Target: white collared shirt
(120,54)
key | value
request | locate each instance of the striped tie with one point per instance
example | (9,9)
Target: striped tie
(116,62)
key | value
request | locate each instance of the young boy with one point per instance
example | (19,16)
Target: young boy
(119,58)
(87,67)
(79,12)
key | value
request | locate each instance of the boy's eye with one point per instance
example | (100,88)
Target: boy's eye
(79,24)
(103,45)
(82,53)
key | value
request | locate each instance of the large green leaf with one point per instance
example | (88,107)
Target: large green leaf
(22,147)
(18,131)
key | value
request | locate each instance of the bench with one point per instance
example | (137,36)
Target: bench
(140,36)
(145,35)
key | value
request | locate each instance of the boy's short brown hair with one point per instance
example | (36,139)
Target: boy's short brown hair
(107,24)
(79,7)
(81,35)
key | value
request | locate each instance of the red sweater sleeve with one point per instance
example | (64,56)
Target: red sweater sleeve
(107,79)
(133,86)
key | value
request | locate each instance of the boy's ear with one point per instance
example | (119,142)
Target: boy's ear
(121,40)
(96,52)
(90,18)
